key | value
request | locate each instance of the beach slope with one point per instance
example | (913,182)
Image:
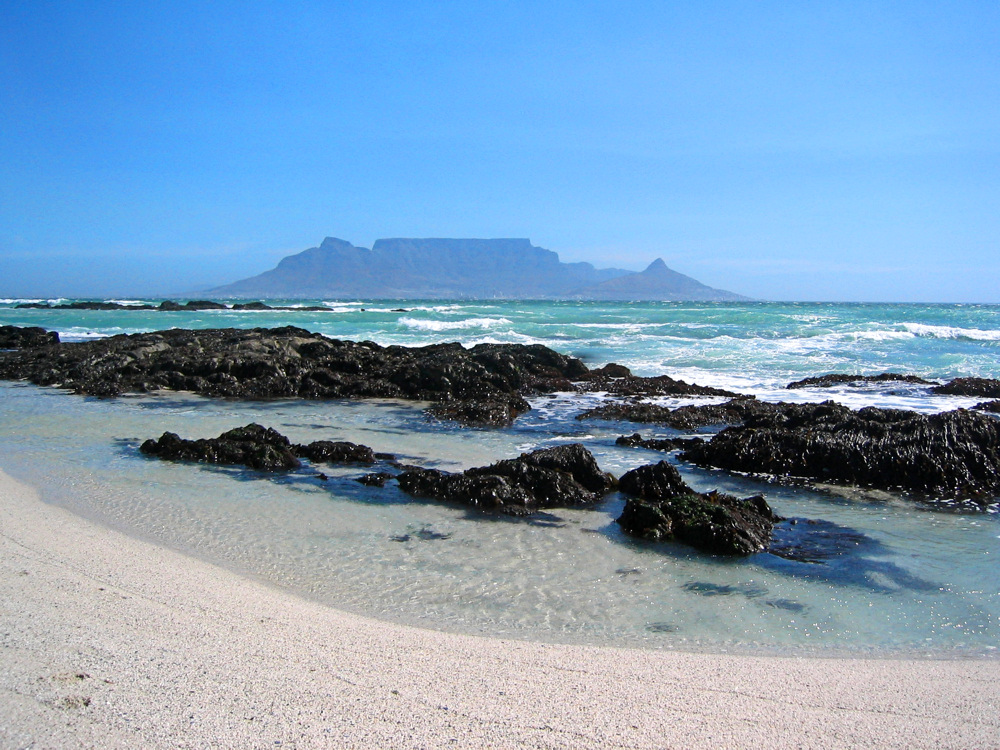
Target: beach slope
(109,641)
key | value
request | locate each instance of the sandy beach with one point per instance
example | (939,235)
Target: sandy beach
(109,641)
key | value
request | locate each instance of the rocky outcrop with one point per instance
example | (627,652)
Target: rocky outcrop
(827,381)
(195,304)
(256,447)
(337,452)
(991,406)
(683,417)
(484,385)
(949,456)
(618,380)
(14,337)
(977,387)
(81,306)
(636,440)
(168,306)
(664,507)
(291,362)
(495,412)
(564,476)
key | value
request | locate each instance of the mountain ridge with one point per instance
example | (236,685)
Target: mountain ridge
(443,268)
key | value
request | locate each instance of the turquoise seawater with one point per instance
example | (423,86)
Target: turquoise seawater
(915,580)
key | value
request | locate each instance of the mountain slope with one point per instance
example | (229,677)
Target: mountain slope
(402,268)
(657,282)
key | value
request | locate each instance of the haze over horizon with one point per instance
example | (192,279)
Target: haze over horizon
(842,152)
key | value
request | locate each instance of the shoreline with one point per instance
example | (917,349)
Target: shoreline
(112,641)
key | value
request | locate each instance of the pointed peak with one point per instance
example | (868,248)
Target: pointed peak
(329,242)
(656,265)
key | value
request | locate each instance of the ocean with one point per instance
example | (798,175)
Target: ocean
(917,578)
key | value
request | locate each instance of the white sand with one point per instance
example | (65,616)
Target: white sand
(108,641)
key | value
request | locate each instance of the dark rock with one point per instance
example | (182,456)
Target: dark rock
(254,446)
(326,451)
(826,381)
(610,370)
(979,387)
(251,306)
(991,406)
(498,412)
(665,507)
(14,337)
(657,481)
(484,385)
(84,306)
(951,456)
(191,305)
(566,475)
(291,362)
(683,417)
(637,441)
(377,479)
(257,447)
(610,379)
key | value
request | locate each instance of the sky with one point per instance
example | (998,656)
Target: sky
(845,151)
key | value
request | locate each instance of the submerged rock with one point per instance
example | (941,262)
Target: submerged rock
(991,406)
(826,381)
(664,507)
(564,476)
(256,447)
(15,337)
(497,412)
(953,456)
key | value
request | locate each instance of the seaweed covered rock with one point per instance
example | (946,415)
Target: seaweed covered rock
(496,412)
(15,337)
(664,507)
(827,381)
(256,447)
(619,381)
(636,440)
(683,417)
(949,456)
(291,362)
(335,452)
(977,387)
(564,476)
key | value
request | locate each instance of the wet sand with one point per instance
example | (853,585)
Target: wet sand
(110,641)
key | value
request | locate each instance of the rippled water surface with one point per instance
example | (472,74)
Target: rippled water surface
(910,578)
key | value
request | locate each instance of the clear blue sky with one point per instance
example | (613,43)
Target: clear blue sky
(784,150)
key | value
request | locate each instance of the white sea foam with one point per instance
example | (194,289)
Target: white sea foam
(951,332)
(418,324)
(71,335)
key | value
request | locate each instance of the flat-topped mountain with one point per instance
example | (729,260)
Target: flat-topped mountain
(458,269)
